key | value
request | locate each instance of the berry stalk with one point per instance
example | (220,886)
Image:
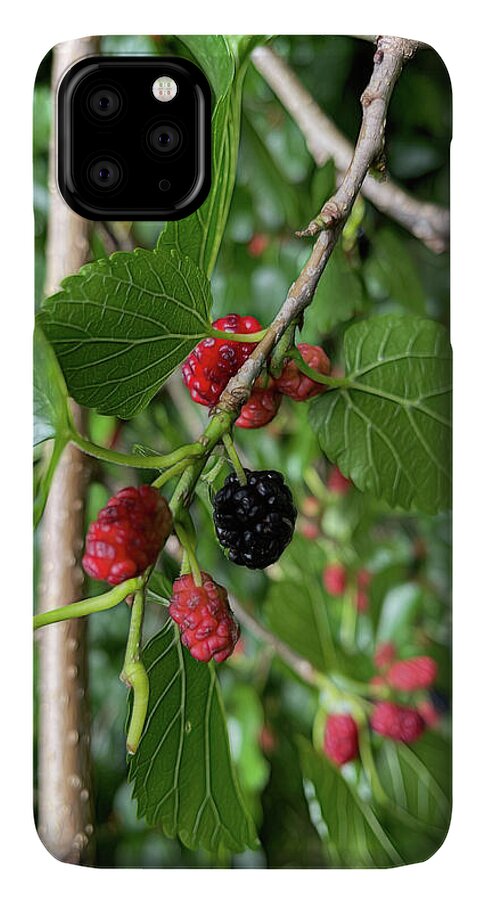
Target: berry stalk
(134,674)
(177,469)
(247,338)
(369,765)
(313,375)
(232,454)
(135,460)
(283,350)
(219,424)
(190,559)
(91,605)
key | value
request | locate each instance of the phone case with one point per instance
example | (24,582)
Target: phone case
(242,476)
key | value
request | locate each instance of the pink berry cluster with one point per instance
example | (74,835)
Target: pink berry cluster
(127,535)
(391,718)
(214,361)
(408,676)
(335,580)
(207,626)
(413,674)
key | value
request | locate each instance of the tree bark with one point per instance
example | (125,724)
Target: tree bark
(65,809)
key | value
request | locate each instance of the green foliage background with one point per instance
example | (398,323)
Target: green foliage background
(380,270)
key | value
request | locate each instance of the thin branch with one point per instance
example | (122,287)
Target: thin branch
(300,666)
(428,222)
(389,58)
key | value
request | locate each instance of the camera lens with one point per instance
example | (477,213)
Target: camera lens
(165,138)
(104,102)
(104,174)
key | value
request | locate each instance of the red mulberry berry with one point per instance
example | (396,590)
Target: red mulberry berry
(294,383)
(127,535)
(413,674)
(430,714)
(267,740)
(207,626)
(335,579)
(310,506)
(412,725)
(310,530)
(258,244)
(338,483)
(364,578)
(341,742)
(261,408)
(214,361)
(385,655)
(400,723)
(362,601)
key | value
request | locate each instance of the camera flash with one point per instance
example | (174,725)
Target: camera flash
(164,88)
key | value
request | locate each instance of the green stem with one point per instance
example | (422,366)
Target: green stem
(189,552)
(283,350)
(315,484)
(316,376)
(363,689)
(134,674)
(318,730)
(135,460)
(46,479)
(220,423)
(369,765)
(210,476)
(177,469)
(232,454)
(246,338)
(91,605)
(348,621)
(182,494)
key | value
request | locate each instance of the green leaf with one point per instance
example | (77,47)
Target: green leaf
(389,428)
(277,202)
(199,235)
(398,612)
(393,270)
(246,721)
(417,779)
(300,549)
(338,297)
(183,776)
(381,585)
(348,826)
(159,588)
(51,410)
(215,57)
(243,44)
(297,613)
(124,324)
(52,419)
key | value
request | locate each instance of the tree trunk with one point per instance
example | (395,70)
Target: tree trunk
(65,808)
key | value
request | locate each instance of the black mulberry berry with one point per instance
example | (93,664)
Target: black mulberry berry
(254,521)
